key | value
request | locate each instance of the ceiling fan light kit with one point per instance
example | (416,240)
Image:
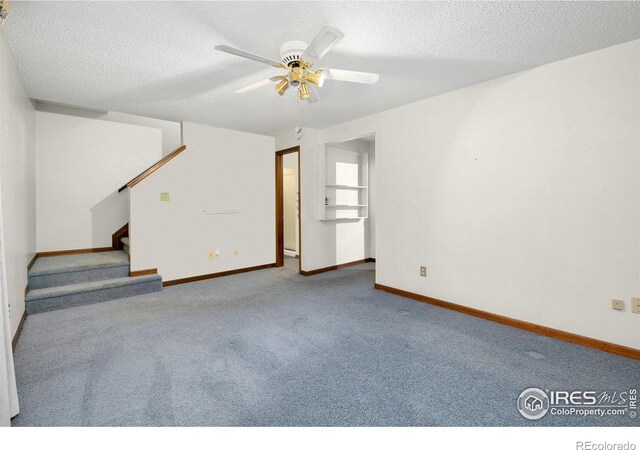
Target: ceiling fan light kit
(304,92)
(297,58)
(282,86)
(316,77)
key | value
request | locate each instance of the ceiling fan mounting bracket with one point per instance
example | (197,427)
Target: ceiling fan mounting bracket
(291,51)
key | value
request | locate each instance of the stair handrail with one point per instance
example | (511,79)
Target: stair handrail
(137,179)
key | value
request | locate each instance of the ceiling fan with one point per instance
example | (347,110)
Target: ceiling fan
(297,58)
(4,11)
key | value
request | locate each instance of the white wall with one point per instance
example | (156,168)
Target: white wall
(326,243)
(81,163)
(520,194)
(170,131)
(221,169)
(371,221)
(308,194)
(17,178)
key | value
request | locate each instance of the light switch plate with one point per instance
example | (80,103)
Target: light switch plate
(165,196)
(617,304)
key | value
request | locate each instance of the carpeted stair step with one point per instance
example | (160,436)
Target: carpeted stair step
(64,270)
(125,245)
(59,297)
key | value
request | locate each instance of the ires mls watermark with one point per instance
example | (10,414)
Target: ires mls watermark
(588,445)
(534,403)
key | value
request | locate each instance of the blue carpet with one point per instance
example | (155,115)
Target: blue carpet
(72,295)
(58,282)
(69,269)
(274,348)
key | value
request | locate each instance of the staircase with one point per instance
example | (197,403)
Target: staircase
(57,282)
(125,245)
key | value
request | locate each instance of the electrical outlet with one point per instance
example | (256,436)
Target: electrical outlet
(423,271)
(617,304)
(635,305)
(211,255)
(217,252)
(165,196)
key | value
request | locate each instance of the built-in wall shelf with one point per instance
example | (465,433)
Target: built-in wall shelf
(344,176)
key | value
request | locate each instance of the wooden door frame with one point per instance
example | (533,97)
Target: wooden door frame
(280,208)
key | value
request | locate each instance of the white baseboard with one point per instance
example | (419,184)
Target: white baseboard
(290,253)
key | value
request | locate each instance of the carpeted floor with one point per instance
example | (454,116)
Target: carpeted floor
(274,348)
(67,262)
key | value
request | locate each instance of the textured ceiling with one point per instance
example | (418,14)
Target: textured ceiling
(157,59)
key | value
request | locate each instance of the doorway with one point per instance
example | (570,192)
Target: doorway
(288,230)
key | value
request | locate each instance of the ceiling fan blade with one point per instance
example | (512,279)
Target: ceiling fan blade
(255,85)
(247,55)
(350,75)
(322,43)
(314,94)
